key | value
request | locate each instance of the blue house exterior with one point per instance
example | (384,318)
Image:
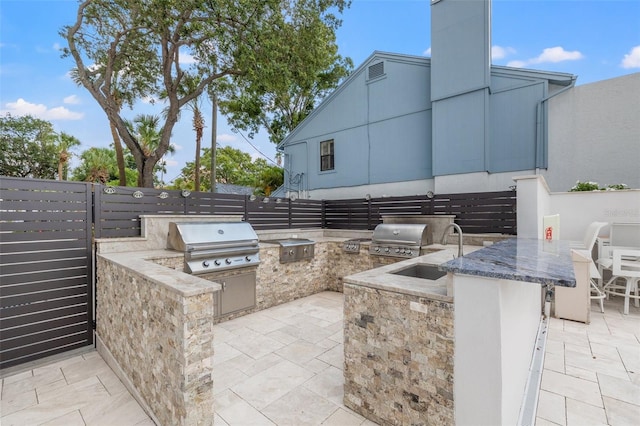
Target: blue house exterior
(406,125)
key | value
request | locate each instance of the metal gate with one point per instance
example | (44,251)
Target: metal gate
(45,268)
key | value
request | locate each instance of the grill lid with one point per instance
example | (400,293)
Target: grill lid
(401,234)
(196,236)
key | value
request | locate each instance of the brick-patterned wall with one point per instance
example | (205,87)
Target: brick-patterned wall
(342,264)
(398,357)
(279,283)
(162,340)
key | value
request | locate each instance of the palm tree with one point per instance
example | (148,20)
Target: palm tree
(144,128)
(119,97)
(189,85)
(97,162)
(65,142)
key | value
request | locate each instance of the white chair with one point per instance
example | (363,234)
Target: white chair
(625,265)
(621,236)
(585,247)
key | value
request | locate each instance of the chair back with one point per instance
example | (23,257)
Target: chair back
(625,235)
(591,235)
(626,263)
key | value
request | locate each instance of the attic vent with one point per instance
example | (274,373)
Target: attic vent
(376,70)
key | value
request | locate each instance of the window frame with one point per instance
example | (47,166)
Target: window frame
(329,156)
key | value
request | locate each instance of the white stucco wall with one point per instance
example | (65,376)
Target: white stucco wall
(576,209)
(414,187)
(496,323)
(594,134)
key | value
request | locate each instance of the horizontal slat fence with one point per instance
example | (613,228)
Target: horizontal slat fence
(45,268)
(476,213)
(46,242)
(118,209)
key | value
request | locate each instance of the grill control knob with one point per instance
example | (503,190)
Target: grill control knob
(247,258)
(290,252)
(227,261)
(377,249)
(386,250)
(398,250)
(205,263)
(217,262)
(409,253)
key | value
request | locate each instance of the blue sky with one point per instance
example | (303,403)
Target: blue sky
(594,39)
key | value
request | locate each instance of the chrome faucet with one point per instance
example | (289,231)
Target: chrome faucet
(444,237)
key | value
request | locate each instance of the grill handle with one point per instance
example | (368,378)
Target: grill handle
(216,246)
(231,252)
(409,243)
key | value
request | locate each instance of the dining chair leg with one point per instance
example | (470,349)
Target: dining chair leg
(627,293)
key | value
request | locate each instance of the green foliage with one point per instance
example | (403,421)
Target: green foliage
(97,165)
(28,147)
(593,186)
(235,167)
(126,50)
(300,65)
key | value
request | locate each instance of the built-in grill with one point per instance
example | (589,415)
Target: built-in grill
(214,246)
(398,240)
(224,252)
(294,249)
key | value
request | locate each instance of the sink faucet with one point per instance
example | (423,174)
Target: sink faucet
(444,237)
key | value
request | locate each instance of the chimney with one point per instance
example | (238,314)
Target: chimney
(460,79)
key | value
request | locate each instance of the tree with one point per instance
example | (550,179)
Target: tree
(65,143)
(28,147)
(135,46)
(268,178)
(281,93)
(233,166)
(97,165)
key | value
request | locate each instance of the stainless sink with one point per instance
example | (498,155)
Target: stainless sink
(425,272)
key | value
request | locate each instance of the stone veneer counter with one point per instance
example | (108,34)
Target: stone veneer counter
(519,259)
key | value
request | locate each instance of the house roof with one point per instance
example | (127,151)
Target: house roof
(558,78)
(228,188)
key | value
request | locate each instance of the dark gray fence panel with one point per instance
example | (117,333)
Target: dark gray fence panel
(476,213)
(45,268)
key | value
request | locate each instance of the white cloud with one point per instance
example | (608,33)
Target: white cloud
(186,58)
(22,107)
(72,100)
(57,46)
(149,100)
(556,54)
(170,163)
(427,52)
(516,64)
(631,59)
(226,137)
(550,54)
(499,52)
(177,147)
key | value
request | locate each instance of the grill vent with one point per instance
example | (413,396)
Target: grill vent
(376,70)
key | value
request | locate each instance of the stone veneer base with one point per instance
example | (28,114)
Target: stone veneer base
(399,352)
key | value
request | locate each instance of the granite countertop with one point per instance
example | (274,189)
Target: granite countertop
(385,277)
(519,259)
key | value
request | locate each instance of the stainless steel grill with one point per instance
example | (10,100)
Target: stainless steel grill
(223,252)
(214,246)
(398,240)
(294,249)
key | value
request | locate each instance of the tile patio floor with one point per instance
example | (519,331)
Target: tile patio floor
(283,366)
